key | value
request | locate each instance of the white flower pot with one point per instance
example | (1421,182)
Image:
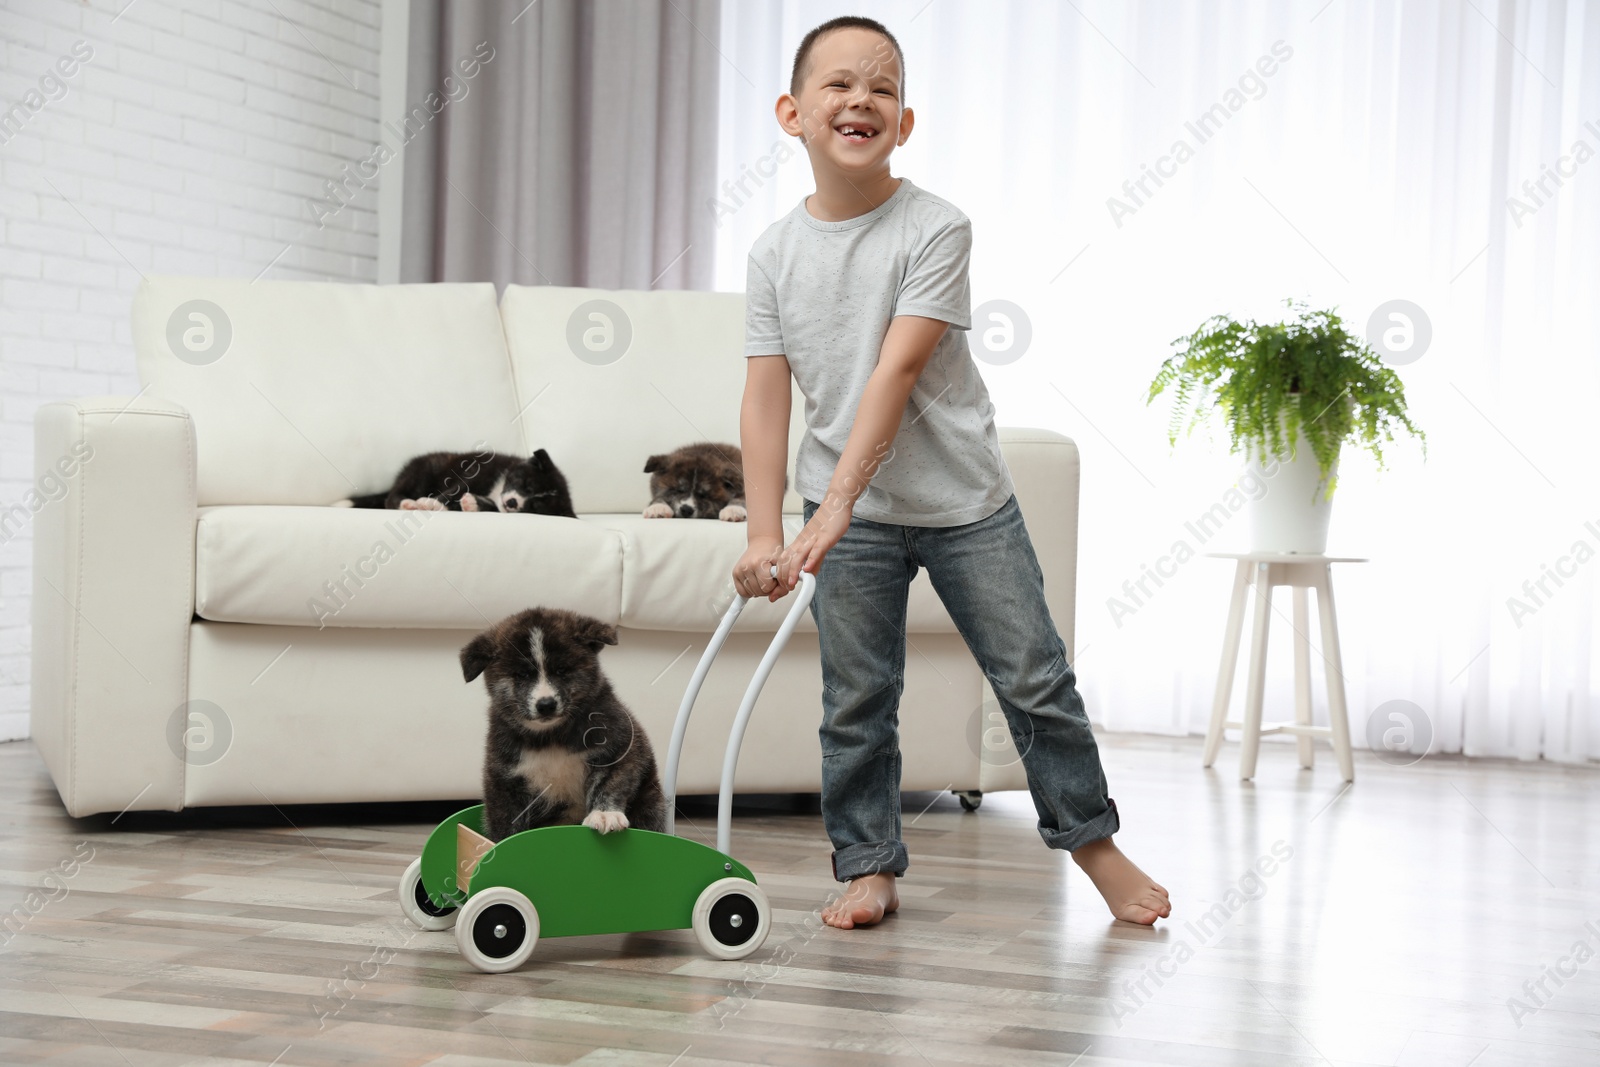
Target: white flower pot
(1292,515)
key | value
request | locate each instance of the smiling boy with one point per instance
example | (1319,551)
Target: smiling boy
(861,294)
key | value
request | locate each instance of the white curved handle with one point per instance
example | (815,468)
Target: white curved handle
(730,760)
(680,727)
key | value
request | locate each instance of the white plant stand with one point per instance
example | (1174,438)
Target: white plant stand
(1263,570)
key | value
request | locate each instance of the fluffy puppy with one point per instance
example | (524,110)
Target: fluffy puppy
(699,481)
(562,748)
(475,481)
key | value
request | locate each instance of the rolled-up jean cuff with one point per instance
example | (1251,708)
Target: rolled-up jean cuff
(1103,825)
(870,857)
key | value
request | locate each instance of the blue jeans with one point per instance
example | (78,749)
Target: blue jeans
(988,577)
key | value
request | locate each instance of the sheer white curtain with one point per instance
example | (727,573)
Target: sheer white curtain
(1373,163)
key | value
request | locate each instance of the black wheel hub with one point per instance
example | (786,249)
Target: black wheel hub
(499,931)
(734,919)
(427,905)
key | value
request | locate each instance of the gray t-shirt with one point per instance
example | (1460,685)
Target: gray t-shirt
(822,294)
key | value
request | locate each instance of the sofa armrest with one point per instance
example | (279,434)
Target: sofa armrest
(113,596)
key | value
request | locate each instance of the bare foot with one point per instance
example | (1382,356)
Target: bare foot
(866,899)
(1132,895)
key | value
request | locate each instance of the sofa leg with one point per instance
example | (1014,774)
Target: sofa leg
(970,798)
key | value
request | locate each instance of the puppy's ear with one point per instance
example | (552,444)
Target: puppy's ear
(541,460)
(655,463)
(594,634)
(477,655)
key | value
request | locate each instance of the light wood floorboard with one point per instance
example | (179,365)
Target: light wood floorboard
(1413,906)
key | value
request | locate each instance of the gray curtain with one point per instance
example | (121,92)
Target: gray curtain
(582,153)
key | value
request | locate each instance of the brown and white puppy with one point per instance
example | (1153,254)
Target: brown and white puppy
(699,481)
(562,748)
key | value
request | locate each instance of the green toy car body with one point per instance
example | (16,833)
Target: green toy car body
(560,881)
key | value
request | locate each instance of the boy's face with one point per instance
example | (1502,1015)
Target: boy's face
(853,84)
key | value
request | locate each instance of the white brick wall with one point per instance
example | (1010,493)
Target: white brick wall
(187,143)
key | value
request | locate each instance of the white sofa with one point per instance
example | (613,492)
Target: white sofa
(179,658)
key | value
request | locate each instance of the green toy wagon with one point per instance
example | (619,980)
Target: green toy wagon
(556,881)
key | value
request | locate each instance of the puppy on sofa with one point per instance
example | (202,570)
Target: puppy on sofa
(698,481)
(562,747)
(475,481)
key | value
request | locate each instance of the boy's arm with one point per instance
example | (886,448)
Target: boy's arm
(764,440)
(907,347)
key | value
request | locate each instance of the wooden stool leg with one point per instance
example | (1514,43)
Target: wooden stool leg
(1302,673)
(1230,657)
(1251,741)
(1333,667)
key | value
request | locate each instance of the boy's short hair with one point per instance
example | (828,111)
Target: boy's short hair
(802,55)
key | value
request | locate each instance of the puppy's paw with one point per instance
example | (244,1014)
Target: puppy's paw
(606,821)
(733,513)
(345,503)
(426,503)
(658,510)
(469,503)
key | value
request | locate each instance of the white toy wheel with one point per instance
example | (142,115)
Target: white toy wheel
(497,930)
(732,918)
(417,907)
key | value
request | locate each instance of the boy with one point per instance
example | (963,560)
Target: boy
(854,293)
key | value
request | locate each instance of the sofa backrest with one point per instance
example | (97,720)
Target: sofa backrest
(306,392)
(607,378)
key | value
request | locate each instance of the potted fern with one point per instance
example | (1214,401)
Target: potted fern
(1292,394)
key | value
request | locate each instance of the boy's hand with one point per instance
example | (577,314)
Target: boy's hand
(828,524)
(752,575)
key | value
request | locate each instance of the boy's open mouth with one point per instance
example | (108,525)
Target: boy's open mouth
(852,132)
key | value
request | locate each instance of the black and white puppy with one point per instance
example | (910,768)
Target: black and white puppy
(475,481)
(562,747)
(698,481)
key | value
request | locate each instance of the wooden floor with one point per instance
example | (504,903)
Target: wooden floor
(1413,921)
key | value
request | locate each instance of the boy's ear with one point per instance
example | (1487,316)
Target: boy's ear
(477,655)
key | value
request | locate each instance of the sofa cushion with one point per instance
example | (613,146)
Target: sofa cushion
(674,374)
(305,566)
(676,576)
(306,392)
